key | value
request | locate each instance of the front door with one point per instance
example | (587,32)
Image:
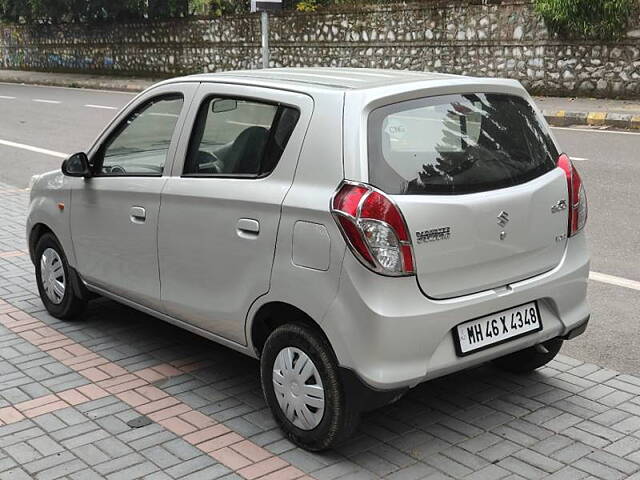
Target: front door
(114,214)
(221,207)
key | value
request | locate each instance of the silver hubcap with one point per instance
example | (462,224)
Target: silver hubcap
(298,388)
(52,275)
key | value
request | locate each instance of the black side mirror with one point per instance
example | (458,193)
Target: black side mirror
(77,165)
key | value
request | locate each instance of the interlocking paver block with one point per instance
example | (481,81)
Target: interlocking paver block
(568,420)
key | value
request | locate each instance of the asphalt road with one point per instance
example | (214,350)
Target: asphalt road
(63,121)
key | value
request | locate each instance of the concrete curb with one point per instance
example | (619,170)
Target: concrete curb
(564,118)
(118,85)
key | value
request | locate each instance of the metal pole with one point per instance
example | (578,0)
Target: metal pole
(264,17)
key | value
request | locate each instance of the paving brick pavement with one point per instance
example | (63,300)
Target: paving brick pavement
(69,389)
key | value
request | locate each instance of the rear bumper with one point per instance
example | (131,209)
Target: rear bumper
(392,336)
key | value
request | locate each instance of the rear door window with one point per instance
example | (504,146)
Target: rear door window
(457,144)
(238,137)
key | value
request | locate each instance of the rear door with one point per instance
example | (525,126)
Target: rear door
(475,177)
(221,207)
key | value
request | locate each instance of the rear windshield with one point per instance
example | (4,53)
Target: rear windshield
(457,144)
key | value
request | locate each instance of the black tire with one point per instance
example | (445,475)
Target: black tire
(72,303)
(529,359)
(340,417)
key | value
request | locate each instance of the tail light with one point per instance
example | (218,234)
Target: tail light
(578,209)
(374,229)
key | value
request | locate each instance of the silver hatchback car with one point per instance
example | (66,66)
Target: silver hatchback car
(358,231)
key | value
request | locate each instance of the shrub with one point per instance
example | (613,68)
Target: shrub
(599,19)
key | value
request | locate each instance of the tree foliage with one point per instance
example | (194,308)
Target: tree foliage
(600,19)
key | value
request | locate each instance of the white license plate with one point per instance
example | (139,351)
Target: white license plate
(497,328)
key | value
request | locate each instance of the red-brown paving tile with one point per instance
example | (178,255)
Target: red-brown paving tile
(288,473)
(19,327)
(76,361)
(116,380)
(20,315)
(208,433)
(251,451)
(47,332)
(167,370)
(151,392)
(78,349)
(263,468)
(177,426)
(73,397)
(48,408)
(158,405)
(94,374)
(12,253)
(10,415)
(230,459)
(60,354)
(132,398)
(122,387)
(36,402)
(220,442)
(198,419)
(149,375)
(169,412)
(46,341)
(58,344)
(73,363)
(113,369)
(94,392)
(31,336)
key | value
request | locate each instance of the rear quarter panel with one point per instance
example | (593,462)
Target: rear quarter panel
(318,174)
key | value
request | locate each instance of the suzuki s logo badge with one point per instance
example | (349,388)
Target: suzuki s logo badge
(434,235)
(560,206)
(503,219)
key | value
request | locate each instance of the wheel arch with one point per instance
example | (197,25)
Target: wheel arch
(274,314)
(35,234)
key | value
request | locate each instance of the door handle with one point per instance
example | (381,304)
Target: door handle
(138,214)
(248,228)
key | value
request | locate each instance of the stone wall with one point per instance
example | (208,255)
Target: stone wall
(502,39)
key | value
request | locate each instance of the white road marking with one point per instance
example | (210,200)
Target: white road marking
(103,107)
(31,148)
(579,159)
(4,97)
(595,130)
(612,280)
(40,100)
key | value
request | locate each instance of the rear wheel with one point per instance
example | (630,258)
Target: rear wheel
(530,358)
(56,280)
(301,383)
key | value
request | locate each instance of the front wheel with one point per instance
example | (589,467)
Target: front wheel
(531,358)
(301,384)
(55,279)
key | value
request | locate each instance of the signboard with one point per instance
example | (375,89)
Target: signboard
(266,5)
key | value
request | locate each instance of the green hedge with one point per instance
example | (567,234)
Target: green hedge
(599,19)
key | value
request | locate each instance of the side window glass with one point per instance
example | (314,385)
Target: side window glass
(140,144)
(234,137)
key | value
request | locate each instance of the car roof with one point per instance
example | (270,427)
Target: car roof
(333,78)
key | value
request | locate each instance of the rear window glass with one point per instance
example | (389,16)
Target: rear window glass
(457,144)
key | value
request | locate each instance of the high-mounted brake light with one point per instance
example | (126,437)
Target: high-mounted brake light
(578,209)
(374,229)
